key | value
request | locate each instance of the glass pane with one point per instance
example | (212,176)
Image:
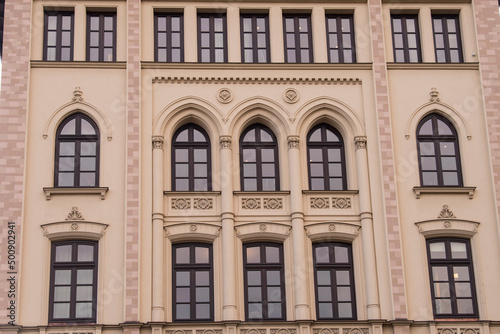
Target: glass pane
(176,55)
(66,180)
(400,56)
(268,170)
(429,179)
(201,184)
(183,311)
(176,40)
(346,25)
(289,24)
(162,23)
(413,56)
(447,148)
(249,155)
(323,277)
(253,255)
(218,24)
(254,294)
(248,56)
(336,184)
(202,295)
(51,38)
(398,41)
(66,22)
(254,278)
(84,293)
(261,24)
(461,273)
(274,310)
(182,136)
(182,255)
(267,155)
(272,255)
(261,41)
(322,255)
(182,278)
(428,163)
(440,274)
(94,22)
(332,24)
(464,306)
(108,39)
(94,39)
(63,253)
(94,54)
(62,293)
(324,294)
(182,185)
(325,310)
(255,310)
(108,23)
(334,155)
(62,277)
(346,41)
(291,58)
(315,155)
(200,170)
(66,164)
(108,54)
(315,136)
(65,53)
(87,179)
(84,276)
(410,25)
(439,40)
(247,24)
(181,155)
(250,185)
(181,170)
(273,277)
(198,136)
(52,22)
(344,293)
(454,56)
(341,255)
(274,294)
(202,278)
(247,40)
(205,40)
(331,137)
(316,170)
(304,56)
(437,250)
(51,53)
(451,24)
(458,250)
(85,253)
(443,306)
(333,40)
(303,26)
(202,255)
(290,41)
(396,23)
(441,290)
(61,310)
(463,290)
(438,26)
(335,170)
(182,295)
(202,311)
(265,136)
(69,128)
(250,170)
(318,184)
(450,179)
(249,136)
(205,24)
(176,23)
(345,310)
(268,184)
(304,41)
(219,56)
(87,164)
(343,277)
(87,148)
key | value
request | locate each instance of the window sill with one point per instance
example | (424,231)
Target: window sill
(49,191)
(433,66)
(444,191)
(279,192)
(332,192)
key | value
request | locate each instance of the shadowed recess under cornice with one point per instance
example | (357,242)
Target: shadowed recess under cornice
(247,80)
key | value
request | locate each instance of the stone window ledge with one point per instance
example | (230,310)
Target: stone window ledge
(444,191)
(49,191)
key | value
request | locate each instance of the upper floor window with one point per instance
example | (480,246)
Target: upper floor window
(101,36)
(259,159)
(298,38)
(169,39)
(264,281)
(438,152)
(325,153)
(73,281)
(58,36)
(255,38)
(192,282)
(447,40)
(340,37)
(406,38)
(334,281)
(77,152)
(212,38)
(191,163)
(452,278)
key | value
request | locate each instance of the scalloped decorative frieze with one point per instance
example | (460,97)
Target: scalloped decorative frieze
(256,80)
(283,331)
(355,331)
(326,330)
(195,203)
(74,228)
(330,231)
(262,230)
(192,230)
(209,331)
(321,203)
(264,203)
(253,331)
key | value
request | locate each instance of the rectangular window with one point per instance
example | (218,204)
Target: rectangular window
(192,282)
(73,281)
(340,37)
(58,36)
(264,281)
(212,38)
(334,281)
(452,278)
(447,40)
(255,38)
(169,37)
(406,39)
(298,38)
(101,36)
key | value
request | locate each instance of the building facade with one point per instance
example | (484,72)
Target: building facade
(250,167)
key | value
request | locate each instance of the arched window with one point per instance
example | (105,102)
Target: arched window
(77,152)
(325,153)
(438,153)
(259,159)
(191,163)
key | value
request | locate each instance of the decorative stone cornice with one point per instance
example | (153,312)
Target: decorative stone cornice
(157,142)
(256,80)
(293,142)
(360,142)
(225,142)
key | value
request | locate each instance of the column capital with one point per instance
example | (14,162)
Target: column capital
(360,142)
(157,142)
(225,142)
(293,142)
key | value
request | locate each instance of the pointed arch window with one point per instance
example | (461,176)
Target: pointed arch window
(326,159)
(438,153)
(191,163)
(77,152)
(259,159)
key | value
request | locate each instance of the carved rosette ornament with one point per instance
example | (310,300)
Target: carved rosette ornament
(293,142)
(446,212)
(225,142)
(291,95)
(157,142)
(181,204)
(250,204)
(193,228)
(203,204)
(360,142)
(320,203)
(74,227)
(332,227)
(447,224)
(74,214)
(224,95)
(341,203)
(273,203)
(262,227)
